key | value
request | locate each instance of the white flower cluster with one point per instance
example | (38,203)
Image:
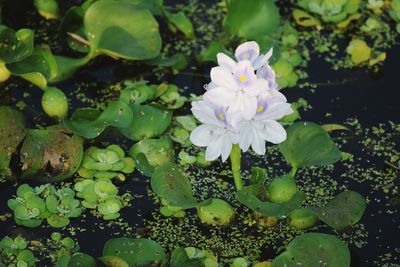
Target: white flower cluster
(241,105)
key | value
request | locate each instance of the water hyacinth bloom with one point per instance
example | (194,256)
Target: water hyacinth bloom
(267,73)
(237,90)
(216,132)
(271,106)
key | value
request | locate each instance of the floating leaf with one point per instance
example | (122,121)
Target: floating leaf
(51,154)
(135,252)
(39,68)
(359,51)
(280,210)
(210,53)
(180,21)
(15,46)
(342,211)
(334,127)
(180,258)
(169,183)
(90,123)
(147,122)
(80,259)
(314,250)
(308,144)
(68,66)
(110,30)
(302,18)
(113,261)
(12,132)
(177,61)
(47,8)
(260,18)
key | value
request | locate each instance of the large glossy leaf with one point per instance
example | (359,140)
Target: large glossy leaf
(182,23)
(51,154)
(180,258)
(169,183)
(120,29)
(15,46)
(148,122)
(90,123)
(39,68)
(342,211)
(308,144)
(266,208)
(253,19)
(12,132)
(314,250)
(135,251)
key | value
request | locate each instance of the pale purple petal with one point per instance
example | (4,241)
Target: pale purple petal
(246,135)
(205,113)
(247,51)
(202,135)
(226,148)
(220,96)
(223,78)
(243,74)
(267,73)
(275,111)
(225,61)
(257,88)
(214,149)
(248,107)
(258,143)
(262,60)
(273,132)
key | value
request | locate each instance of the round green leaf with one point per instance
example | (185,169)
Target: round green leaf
(15,46)
(81,260)
(308,144)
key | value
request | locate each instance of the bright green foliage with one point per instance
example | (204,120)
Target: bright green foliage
(171,211)
(101,195)
(186,159)
(170,184)
(65,252)
(15,46)
(395,12)
(314,250)
(12,132)
(55,103)
(171,98)
(148,122)
(208,259)
(133,252)
(106,163)
(359,51)
(181,22)
(109,29)
(216,212)
(47,8)
(183,125)
(15,253)
(80,259)
(302,218)
(282,189)
(240,262)
(331,11)
(139,92)
(32,205)
(308,144)
(344,210)
(253,20)
(51,154)
(157,151)
(90,123)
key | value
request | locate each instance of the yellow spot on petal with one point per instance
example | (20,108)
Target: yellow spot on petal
(243,78)
(246,56)
(221,116)
(260,109)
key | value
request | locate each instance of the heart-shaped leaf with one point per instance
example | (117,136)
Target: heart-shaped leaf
(15,46)
(120,29)
(342,211)
(308,144)
(314,250)
(90,123)
(180,21)
(252,20)
(170,184)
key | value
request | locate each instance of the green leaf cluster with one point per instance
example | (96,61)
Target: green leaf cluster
(106,163)
(15,252)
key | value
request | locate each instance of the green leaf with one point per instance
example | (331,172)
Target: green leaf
(252,20)
(334,127)
(68,66)
(90,123)
(157,151)
(57,221)
(147,122)
(180,258)
(177,61)
(180,21)
(314,250)
(15,46)
(51,154)
(39,68)
(110,30)
(280,210)
(12,132)
(143,165)
(47,8)
(80,259)
(135,252)
(308,144)
(113,261)
(169,183)
(210,53)
(342,211)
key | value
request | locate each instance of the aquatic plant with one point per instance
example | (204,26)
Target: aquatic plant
(102,195)
(191,256)
(15,253)
(216,212)
(106,163)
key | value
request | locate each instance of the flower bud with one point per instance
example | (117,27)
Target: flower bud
(55,103)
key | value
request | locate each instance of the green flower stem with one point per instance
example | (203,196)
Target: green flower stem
(235,163)
(293,171)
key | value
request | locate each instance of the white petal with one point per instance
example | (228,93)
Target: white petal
(214,149)
(258,143)
(225,61)
(210,86)
(262,59)
(223,77)
(245,137)
(276,111)
(248,107)
(220,96)
(202,135)
(259,86)
(273,132)
(249,50)
(226,148)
